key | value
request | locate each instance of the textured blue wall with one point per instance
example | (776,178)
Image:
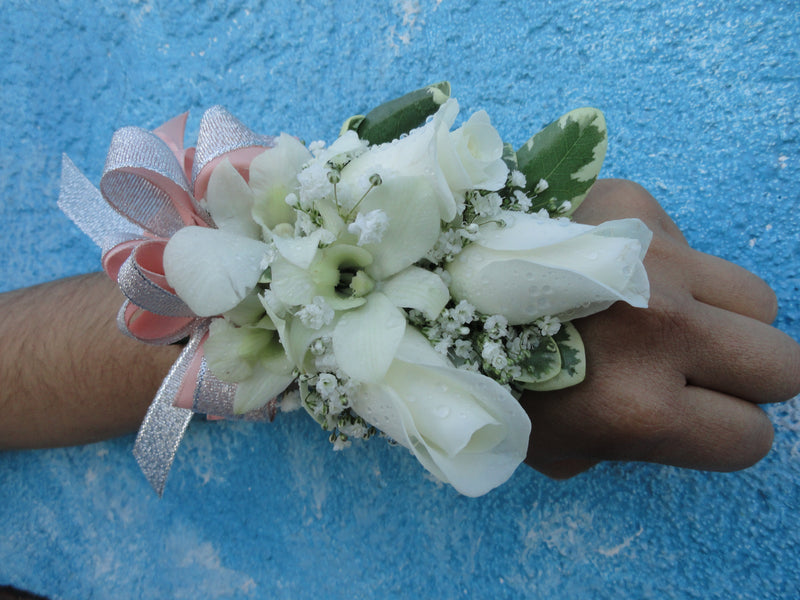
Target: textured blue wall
(702,105)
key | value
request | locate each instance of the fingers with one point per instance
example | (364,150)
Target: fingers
(711,279)
(717,282)
(738,355)
(709,431)
(696,428)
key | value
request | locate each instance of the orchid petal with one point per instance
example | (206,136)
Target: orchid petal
(229,200)
(299,251)
(365,339)
(292,285)
(414,226)
(221,351)
(419,289)
(298,338)
(212,270)
(269,380)
(273,175)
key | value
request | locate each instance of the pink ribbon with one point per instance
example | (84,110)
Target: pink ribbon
(148,191)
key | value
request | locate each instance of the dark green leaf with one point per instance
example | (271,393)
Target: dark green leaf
(567,154)
(389,121)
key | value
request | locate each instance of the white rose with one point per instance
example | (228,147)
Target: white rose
(470,157)
(474,157)
(536,267)
(463,427)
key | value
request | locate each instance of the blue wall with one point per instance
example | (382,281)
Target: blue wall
(702,103)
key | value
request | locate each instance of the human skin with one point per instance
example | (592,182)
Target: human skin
(680,382)
(69,376)
(677,383)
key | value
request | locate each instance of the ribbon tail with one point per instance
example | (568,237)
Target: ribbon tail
(164,425)
(85,206)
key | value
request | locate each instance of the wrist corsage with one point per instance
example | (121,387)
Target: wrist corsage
(408,280)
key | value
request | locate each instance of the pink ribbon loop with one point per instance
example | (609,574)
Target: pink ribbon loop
(150,328)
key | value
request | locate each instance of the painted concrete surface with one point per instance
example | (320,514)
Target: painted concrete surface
(702,103)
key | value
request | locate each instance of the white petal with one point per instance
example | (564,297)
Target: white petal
(280,164)
(415,348)
(475,471)
(212,270)
(523,231)
(230,201)
(291,284)
(412,208)
(299,251)
(417,288)
(298,338)
(221,350)
(263,386)
(365,339)
(485,460)
(572,278)
(273,175)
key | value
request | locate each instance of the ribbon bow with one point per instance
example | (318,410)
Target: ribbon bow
(148,191)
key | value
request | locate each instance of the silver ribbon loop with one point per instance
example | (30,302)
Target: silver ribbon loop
(143,180)
(137,284)
(220,133)
(144,192)
(212,396)
(215,397)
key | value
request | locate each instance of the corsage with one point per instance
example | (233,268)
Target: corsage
(409,280)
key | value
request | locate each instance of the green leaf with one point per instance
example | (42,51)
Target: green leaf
(573,362)
(351,124)
(390,120)
(543,364)
(510,157)
(567,154)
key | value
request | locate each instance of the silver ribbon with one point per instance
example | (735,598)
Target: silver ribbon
(140,289)
(220,133)
(164,425)
(142,179)
(85,206)
(215,397)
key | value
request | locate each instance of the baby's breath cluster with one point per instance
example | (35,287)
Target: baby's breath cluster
(482,206)
(325,396)
(486,343)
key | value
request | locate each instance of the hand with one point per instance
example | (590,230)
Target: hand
(678,383)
